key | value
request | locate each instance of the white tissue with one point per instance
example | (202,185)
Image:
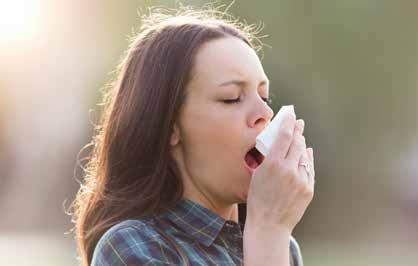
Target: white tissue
(266,138)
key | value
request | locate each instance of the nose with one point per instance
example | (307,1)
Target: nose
(261,115)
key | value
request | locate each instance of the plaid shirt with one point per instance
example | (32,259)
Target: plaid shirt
(188,234)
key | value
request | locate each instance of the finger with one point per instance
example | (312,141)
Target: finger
(297,148)
(304,159)
(284,137)
(312,166)
(311,158)
(310,154)
(299,128)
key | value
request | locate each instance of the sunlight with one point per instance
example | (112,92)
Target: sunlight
(19,19)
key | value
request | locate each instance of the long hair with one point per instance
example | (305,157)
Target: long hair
(130,173)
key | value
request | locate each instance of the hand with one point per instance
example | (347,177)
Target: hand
(280,188)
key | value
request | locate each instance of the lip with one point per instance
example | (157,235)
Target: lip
(250,170)
(250,148)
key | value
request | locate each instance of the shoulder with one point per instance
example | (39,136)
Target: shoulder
(132,242)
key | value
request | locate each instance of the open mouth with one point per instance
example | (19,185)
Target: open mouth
(253,158)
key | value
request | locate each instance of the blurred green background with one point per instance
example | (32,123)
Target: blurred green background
(349,67)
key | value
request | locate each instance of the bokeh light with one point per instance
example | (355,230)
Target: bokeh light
(19,20)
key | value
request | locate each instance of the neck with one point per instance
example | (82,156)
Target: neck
(226,211)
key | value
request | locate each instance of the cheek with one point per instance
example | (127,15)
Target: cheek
(212,133)
(214,129)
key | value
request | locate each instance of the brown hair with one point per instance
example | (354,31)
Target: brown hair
(130,173)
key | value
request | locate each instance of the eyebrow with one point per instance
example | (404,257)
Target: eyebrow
(242,83)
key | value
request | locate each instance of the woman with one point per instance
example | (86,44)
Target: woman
(171,155)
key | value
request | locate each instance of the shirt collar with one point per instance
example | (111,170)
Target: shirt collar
(196,220)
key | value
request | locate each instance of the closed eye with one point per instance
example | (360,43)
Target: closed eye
(237,100)
(230,101)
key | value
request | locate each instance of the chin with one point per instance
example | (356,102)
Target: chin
(241,201)
(242,196)
(242,185)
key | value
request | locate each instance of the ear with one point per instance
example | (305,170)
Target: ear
(175,135)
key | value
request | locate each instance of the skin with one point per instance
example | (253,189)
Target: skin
(211,137)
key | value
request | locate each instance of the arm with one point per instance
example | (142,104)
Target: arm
(264,245)
(279,193)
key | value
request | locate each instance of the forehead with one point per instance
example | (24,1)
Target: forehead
(224,59)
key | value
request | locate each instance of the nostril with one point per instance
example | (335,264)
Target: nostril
(261,125)
(260,120)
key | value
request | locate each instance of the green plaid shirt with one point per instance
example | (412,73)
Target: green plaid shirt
(187,234)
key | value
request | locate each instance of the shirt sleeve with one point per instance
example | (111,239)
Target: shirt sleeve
(133,245)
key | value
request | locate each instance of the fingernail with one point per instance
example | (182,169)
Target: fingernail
(300,125)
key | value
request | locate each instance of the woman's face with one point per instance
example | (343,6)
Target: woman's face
(212,136)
